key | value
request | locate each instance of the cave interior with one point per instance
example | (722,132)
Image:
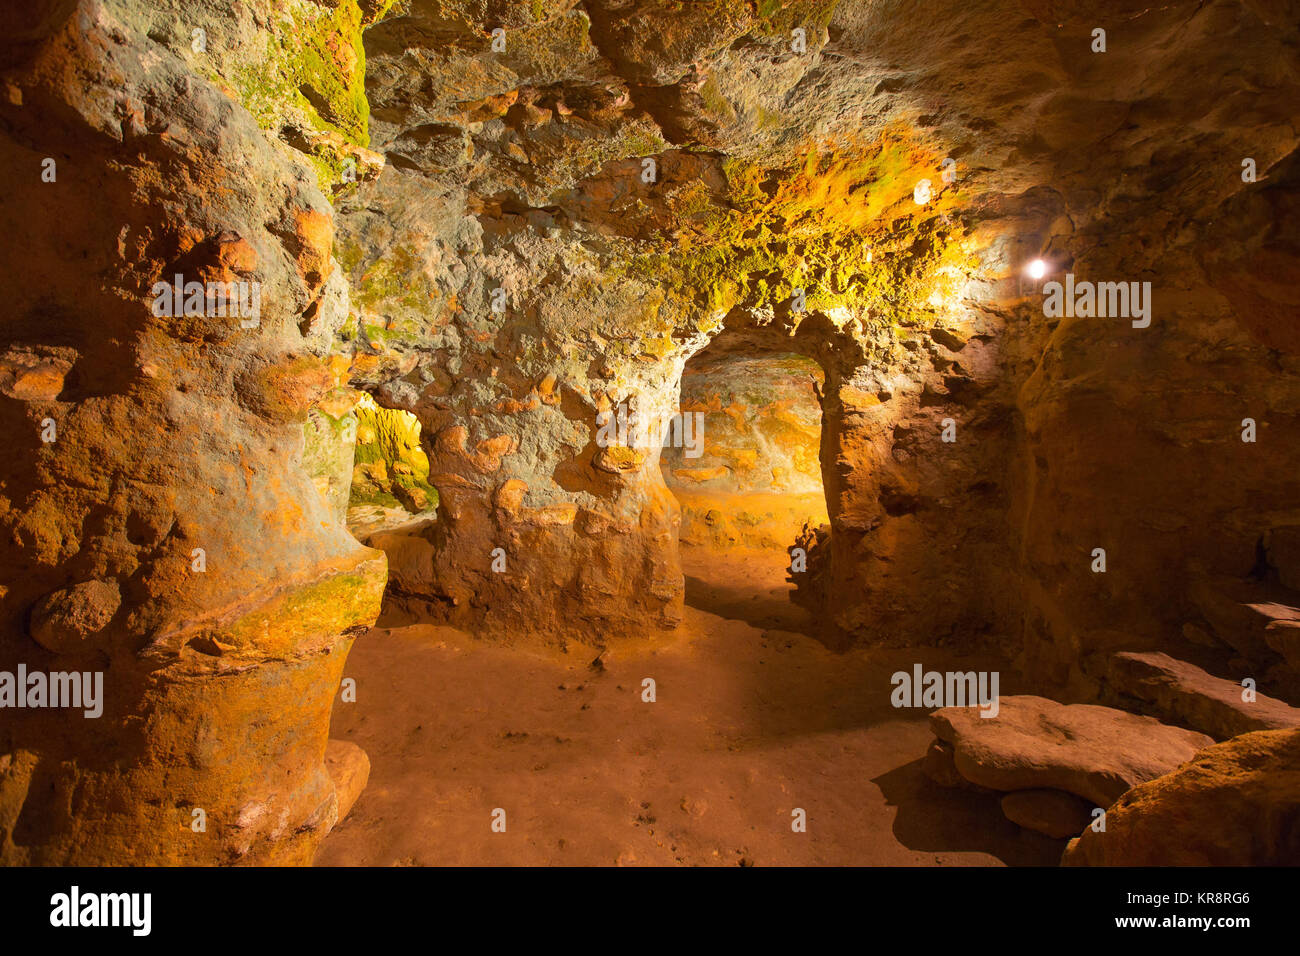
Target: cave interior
(655,432)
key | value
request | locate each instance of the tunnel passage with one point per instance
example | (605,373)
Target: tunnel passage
(369,465)
(749,472)
(519,240)
(746,465)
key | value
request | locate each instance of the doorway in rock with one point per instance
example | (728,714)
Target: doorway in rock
(691,746)
(390,471)
(747,474)
(392,503)
(369,465)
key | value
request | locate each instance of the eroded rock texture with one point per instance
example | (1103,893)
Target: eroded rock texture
(742,457)
(517,178)
(1235,804)
(1186,695)
(158,525)
(514,219)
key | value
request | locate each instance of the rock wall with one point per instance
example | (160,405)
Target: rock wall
(389,464)
(329,454)
(1077,433)
(515,219)
(519,267)
(536,255)
(159,528)
(759,428)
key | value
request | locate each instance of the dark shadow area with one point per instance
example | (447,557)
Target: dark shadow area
(935,819)
(742,601)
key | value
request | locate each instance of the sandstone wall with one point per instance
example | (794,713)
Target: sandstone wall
(517,179)
(474,235)
(165,533)
(760,428)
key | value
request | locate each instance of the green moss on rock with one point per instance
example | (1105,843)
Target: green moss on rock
(841,225)
(392,285)
(314,61)
(391,467)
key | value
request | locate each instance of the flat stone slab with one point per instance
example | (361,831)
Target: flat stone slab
(1188,695)
(1240,613)
(1034,743)
(1054,813)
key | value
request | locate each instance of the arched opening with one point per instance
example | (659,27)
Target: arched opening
(745,469)
(390,471)
(369,465)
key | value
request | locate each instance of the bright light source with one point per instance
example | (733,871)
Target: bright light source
(1037,269)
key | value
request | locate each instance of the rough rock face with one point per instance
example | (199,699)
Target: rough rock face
(756,427)
(1253,618)
(1033,743)
(158,526)
(349,769)
(517,269)
(328,457)
(390,468)
(742,459)
(513,235)
(1235,804)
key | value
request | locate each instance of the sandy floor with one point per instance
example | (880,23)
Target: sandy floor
(752,720)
